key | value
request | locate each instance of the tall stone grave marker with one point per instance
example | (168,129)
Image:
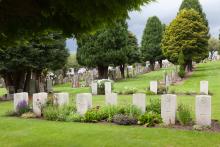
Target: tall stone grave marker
(61,99)
(20,99)
(39,100)
(49,85)
(203,110)
(168,108)
(108,87)
(139,100)
(153,86)
(83,102)
(94,88)
(204,87)
(111,98)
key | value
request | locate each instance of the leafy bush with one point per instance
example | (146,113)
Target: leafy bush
(92,115)
(101,85)
(150,119)
(184,114)
(162,89)
(148,92)
(58,113)
(22,107)
(51,113)
(124,119)
(154,106)
(127,91)
(132,110)
(181,72)
(107,112)
(75,117)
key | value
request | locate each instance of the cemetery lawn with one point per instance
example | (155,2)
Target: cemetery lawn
(34,132)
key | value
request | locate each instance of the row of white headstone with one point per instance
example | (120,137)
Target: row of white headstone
(204,87)
(39,100)
(84,102)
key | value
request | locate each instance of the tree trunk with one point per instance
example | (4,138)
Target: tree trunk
(122,69)
(160,63)
(27,81)
(189,65)
(103,72)
(127,72)
(152,64)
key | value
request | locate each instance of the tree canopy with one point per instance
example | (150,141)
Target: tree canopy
(194,4)
(214,45)
(106,47)
(186,33)
(151,41)
(41,52)
(23,17)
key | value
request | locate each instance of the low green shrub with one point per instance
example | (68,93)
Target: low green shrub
(162,89)
(51,113)
(154,106)
(150,119)
(184,114)
(92,115)
(181,72)
(127,91)
(75,117)
(148,92)
(107,112)
(122,119)
(131,110)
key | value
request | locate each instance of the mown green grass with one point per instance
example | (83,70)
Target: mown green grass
(33,132)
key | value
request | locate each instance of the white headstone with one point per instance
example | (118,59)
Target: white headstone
(83,102)
(111,98)
(39,100)
(204,87)
(108,87)
(61,99)
(94,88)
(153,86)
(168,108)
(18,98)
(203,110)
(139,100)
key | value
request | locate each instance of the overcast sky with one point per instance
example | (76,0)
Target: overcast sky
(166,10)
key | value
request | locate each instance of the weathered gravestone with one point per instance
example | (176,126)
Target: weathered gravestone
(94,88)
(203,110)
(83,102)
(49,85)
(139,100)
(111,98)
(20,100)
(39,100)
(204,87)
(61,99)
(153,86)
(108,87)
(168,108)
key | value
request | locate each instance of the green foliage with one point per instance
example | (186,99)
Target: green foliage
(154,106)
(41,52)
(162,89)
(181,72)
(75,117)
(72,17)
(188,34)
(121,119)
(151,40)
(214,45)
(150,119)
(194,4)
(184,114)
(92,115)
(28,115)
(51,113)
(127,91)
